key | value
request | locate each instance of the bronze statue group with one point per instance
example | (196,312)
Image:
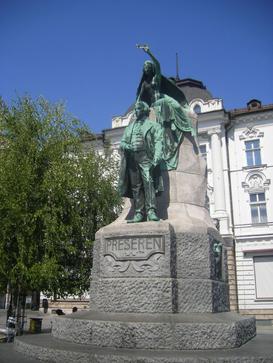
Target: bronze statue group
(150,146)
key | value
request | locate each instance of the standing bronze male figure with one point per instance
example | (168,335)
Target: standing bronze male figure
(140,172)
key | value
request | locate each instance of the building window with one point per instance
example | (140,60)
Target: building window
(253,152)
(197,109)
(203,150)
(258,208)
(263,267)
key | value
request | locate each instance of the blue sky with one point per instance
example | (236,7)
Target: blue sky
(83,52)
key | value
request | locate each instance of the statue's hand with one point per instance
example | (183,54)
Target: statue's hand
(146,49)
(173,127)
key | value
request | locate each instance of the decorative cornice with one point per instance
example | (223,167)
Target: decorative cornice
(215,130)
(215,104)
(121,121)
(256,168)
(253,117)
(220,116)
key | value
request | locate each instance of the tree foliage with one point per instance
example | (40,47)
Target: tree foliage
(53,198)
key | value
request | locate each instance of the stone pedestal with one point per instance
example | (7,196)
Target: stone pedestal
(148,268)
(153,288)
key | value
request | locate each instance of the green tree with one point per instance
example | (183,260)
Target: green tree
(53,199)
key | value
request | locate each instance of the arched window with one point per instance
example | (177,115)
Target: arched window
(197,109)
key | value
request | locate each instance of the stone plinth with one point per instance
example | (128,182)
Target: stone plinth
(155,288)
(148,268)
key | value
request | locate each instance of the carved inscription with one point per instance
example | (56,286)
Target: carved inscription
(133,248)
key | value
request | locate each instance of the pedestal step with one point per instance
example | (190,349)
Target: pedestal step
(45,348)
(155,331)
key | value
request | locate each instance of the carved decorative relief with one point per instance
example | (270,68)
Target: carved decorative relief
(218,252)
(142,253)
(256,182)
(152,264)
(251,132)
(215,130)
(113,265)
(209,196)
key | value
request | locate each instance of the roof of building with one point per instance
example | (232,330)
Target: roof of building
(193,88)
(89,136)
(252,106)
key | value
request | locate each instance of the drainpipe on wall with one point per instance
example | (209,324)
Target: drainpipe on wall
(228,127)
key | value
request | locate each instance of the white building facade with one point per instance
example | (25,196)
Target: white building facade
(251,171)
(237,147)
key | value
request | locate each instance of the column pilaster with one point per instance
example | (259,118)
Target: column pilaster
(220,211)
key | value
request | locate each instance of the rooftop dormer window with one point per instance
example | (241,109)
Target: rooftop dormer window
(253,104)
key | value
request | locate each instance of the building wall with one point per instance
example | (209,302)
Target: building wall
(254,241)
(247,282)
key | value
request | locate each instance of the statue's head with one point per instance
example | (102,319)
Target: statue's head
(141,109)
(148,68)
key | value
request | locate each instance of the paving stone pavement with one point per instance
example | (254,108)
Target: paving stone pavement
(7,352)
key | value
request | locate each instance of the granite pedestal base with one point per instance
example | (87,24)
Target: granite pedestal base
(46,348)
(191,331)
(155,288)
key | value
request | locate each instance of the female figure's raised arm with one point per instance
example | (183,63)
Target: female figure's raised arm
(157,76)
(155,61)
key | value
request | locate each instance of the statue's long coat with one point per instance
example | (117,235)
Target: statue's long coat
(153,140)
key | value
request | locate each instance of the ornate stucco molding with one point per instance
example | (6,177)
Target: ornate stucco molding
(250,133)
(122,121)
(215,104)
(215,130)
(256,181)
